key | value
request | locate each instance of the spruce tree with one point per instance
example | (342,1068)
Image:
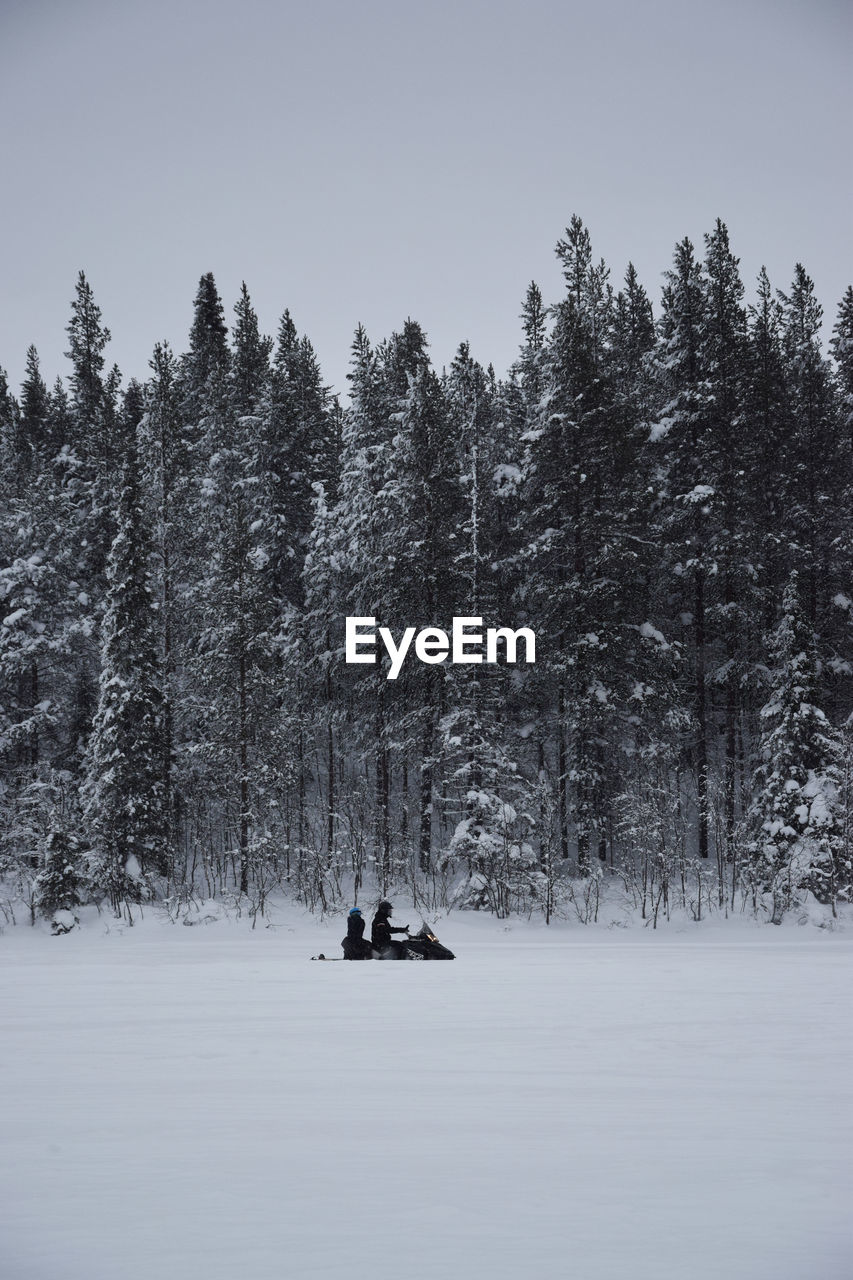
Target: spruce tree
(530,364)
(487,791)
(728,544)
(768,453)
(233,613)
(842,350)
(365,582)
(91,392)
(572,499)
(418,509)
(35,411)
(321,628)
(688,466)
(208,335)
(819,459)
(39,592)
(165,468)
(124,786)
(60,884)
(9,413)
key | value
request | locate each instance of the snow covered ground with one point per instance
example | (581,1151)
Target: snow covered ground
(583,1103)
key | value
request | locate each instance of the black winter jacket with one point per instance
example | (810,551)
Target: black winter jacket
(381,930)
(354,944)
(355,928)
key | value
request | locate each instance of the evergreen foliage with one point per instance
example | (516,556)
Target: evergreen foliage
(178,557)
(124,784)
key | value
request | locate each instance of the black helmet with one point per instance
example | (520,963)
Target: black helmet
(385,907)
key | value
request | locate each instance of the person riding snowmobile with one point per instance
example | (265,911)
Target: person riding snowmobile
(354,944)
(381,930)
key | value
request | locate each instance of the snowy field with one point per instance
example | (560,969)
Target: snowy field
(574,1103)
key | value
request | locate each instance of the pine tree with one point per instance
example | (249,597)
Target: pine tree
(488,797)
(9,413)
(30,632)
(295,450)
(571,504)
(37,590)
(819,460)
(644,665)
(530,366)
(95,449)
(205,363)
(687,530)
(365,581)
(87,339)
(124,786)
(35,412)
(842,350)
(417,511)
(251,358)
(59,418)
(59,885)
(208,335)
(724,342)
(165,468)
(768,447)
(230,655)
(321,627)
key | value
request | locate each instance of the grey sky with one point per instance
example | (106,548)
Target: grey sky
(370,160)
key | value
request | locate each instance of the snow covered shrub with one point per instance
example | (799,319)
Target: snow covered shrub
(119,879)
(315,877)
(60,884)
(205,912)
(491,840)
(62,922)
(652,829)
(796,821)
(843,868)
(585,894)
(502,871)
(40,855)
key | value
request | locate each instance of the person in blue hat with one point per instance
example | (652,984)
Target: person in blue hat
(354,944)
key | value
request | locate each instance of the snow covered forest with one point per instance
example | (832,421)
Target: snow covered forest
(661,489)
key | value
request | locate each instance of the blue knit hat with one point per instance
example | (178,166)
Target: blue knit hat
(356,911)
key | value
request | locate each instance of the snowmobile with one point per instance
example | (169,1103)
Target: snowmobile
(423,945)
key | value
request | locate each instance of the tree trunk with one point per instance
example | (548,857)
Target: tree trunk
(244,782)
(562,779)
(330,770)
(34,697)
(171,824)
(382,827)
(701,714)
(426,791)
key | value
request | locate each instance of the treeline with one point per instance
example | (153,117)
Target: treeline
(665,500)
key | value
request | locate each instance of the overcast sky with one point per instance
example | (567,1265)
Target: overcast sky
(364,160)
